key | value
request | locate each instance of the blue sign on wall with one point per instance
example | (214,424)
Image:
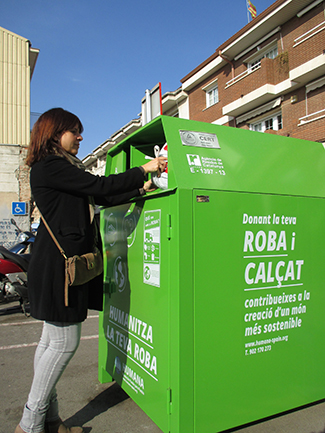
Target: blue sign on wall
(19,208)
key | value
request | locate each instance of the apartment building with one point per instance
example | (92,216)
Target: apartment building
(17,63)
(269,76)
(173,104)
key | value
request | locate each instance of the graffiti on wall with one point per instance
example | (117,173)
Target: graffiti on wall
(8,232)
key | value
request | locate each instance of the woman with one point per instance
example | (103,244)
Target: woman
(65,194)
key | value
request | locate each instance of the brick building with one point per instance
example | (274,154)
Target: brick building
(269,76)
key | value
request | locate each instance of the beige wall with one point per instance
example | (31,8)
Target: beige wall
(14,89)
(17,61)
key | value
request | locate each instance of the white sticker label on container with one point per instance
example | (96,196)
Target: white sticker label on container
(199,139)
(151,248)
(200,164)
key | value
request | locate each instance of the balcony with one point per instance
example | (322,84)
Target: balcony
(308,71)
(241,76)
(258,86)
(311,117)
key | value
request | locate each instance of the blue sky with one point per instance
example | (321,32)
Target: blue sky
(97,58)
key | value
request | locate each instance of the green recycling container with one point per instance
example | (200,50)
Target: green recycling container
(214,286)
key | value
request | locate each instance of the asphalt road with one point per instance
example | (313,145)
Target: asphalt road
(99,408)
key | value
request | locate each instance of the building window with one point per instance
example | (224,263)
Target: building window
(212,93)
(212,96)
(255,62)
(274,122)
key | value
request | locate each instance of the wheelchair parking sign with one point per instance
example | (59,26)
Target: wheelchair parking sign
(18,208)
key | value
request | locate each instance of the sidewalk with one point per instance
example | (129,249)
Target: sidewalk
(99,408)
(107,409)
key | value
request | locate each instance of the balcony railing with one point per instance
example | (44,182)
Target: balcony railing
(310,117)
(309,34)
(241,76)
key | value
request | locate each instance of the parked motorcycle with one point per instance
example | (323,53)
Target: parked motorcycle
(13,278)
(25,239)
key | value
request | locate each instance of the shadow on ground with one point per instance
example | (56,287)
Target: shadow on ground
(101,403)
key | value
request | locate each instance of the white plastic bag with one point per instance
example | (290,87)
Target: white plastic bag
(162,181)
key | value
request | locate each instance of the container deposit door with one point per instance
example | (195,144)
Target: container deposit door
(135,320)
(259,306)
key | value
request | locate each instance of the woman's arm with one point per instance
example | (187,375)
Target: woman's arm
(60,174)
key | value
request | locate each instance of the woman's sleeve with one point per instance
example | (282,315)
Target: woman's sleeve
(60,174)
(117,199)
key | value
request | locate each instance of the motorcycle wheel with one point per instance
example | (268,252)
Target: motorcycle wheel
(21,290)
(7,290)
(13,292)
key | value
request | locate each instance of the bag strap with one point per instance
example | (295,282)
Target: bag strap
(66,275)
(53,237)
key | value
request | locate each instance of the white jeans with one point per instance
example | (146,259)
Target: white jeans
(58,344)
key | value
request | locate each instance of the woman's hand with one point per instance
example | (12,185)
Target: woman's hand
(156,165)
(149,186)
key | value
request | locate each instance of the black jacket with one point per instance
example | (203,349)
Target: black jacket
(61,192)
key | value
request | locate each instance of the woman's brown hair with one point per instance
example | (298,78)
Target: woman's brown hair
(46,134)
